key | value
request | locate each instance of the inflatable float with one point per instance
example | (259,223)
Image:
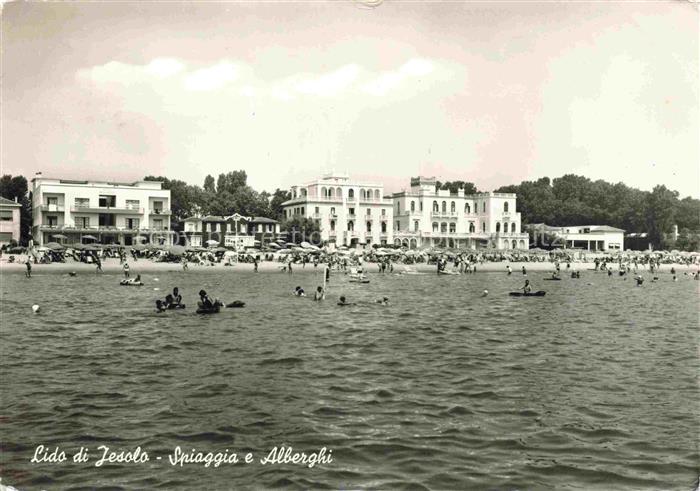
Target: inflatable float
(531,294)
(130,283)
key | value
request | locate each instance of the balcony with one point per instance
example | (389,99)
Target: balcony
(159,211)
(316,216)
(94,228)
(444,214)
(106,210)
(51,208)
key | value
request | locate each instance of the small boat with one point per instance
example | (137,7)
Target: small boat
(176,306)
(209,310)
(359,279)
(130,283)
(449,272)
(540,293)
(551,279)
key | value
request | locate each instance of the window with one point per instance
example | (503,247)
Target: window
(415,225)
(107,201)
(332,225)
(467,208)
(443,227)
(420,204)
(369,226)
(435,207)
(483,226)
(383,212)
(453,207)
(6,215)
(52,200)
(383,227)
(498,227)
(333,211)
(158,224)
(398,225)
(316,210)
(302,210)
(82,222)
(471,228)
(351,226)
(82,202)
(351,212)
(483,207)
(435,226)
(444,206)
(413,206)
(369,212)
(505,228)
(132,223)
(52,221)
(157,206)
(505,207)
(453,228)
(513,228)
(133,204)
(351,193)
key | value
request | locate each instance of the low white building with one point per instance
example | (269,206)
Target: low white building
(425,216)
(589,237)
(69,211)
(347,212)
(9,221)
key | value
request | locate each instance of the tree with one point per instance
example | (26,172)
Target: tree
(278,197)
(300,229)
(209,184)
(454,186)
(231,181)
(660,214)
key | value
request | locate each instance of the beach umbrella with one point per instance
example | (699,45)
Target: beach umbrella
(89,237)
(54,246)
(59,236)
(176,250)
(273,245)
(212,242)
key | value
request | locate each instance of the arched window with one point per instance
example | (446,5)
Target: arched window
(444,206)
(413,206)
(332,209)
(369,226)
(331,193)
(505,207)
(471,228)
(443,227)
(415,225)
(467,208)
(351,193)
(483,226)
(435,226)
(332,225)
(324,192)
(498,227)
(505,228)
(383,227)
(453,207)
(453,228)
(515,244)
(303,191)
(351,226)
(514,228)
(420,205)
(376,194)
(339,193)
(435,207)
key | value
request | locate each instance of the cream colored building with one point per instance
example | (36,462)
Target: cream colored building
(424,217)
(347,212)
(9,221)
(112,213)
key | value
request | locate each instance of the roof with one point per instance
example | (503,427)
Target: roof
(263,220)
(606,228)
(8,202)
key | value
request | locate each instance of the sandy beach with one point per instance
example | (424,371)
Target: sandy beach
(145,266)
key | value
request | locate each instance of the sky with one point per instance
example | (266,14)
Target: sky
(488,92)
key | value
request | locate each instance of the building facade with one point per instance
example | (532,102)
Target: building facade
(111,213)
(594,238)
(347,212)
(235,231)
(426,217)
(9,221)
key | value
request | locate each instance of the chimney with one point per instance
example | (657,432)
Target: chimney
(16,199)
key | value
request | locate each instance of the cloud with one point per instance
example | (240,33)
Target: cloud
(392,80)
(164,67)
(331,83)
(211,78)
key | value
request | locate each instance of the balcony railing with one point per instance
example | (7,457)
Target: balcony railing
(159,211)
(51,207)
(104,228)
(107,209)
(444,214)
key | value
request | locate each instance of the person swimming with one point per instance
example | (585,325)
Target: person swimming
(383,301)
(205,300)
(343,302)
(299,292)
(159,306)
(526,287)
(524,270)
(639,279)
(509,269)
(177,298)
(320,294)
(555,275)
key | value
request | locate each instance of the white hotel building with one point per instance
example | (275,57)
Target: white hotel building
(109,213)
(348,213)
(352,213)
(426,217)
